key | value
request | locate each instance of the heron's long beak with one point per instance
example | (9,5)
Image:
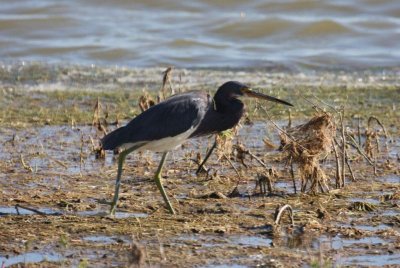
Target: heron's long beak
(250,93)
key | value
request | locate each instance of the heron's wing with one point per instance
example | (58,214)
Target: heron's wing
(174,116)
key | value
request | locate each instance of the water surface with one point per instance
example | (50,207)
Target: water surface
(250,33)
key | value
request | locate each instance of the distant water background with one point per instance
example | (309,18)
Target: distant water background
(336,34)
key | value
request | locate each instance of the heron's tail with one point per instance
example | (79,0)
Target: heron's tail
(113,139)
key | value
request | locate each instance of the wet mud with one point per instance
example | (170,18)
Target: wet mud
(55,194)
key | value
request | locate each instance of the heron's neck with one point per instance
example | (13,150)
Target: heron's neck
(227,105)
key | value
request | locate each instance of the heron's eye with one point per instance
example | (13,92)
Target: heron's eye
(245,90)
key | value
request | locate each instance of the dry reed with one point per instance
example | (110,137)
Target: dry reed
(305,145)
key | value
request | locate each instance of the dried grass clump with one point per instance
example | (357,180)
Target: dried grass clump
(372,136)
(265,181)
(145,102)
(305,145)
(224,141)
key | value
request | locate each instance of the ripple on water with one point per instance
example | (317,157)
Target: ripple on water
(159,33)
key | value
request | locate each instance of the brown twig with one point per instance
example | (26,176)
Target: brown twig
(359,150)
(383,128)
(230,162)
(359,131)
(325,103)
(96,113)
(256,158)
(280,129)
(343,132)
(353,178)
(25,166)
(338,167)
(58,162)
(167,79)
(81,154)
(292,174)
(34,210)
(279,212)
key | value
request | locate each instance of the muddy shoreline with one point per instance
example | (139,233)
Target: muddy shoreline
(48,163)
(338,228)
(40,76)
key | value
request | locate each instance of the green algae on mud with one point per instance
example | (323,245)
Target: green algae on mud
(19,108)
(37,94)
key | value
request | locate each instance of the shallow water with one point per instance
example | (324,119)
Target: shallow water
(370,260)
(21,211)
(118,214)
(364,200)
(42,150)
(251,33)
(250,241)
(30,257)
(48,211)
(337,243)
(392,178)
(368,227)
(102,239)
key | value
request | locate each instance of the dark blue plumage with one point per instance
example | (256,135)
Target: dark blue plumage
(169,118)
(191,110)
(224,112)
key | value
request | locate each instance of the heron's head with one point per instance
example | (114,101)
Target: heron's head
(234,89)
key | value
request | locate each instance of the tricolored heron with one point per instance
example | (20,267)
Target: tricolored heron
(168,124)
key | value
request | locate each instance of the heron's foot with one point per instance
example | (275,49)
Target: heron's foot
(157,178)
(201,169)
(112,209)
(170,208)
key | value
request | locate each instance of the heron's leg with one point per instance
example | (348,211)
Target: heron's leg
(121,160)
(207,156)
(157,178)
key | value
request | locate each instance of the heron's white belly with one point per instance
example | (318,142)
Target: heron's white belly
(165,144)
